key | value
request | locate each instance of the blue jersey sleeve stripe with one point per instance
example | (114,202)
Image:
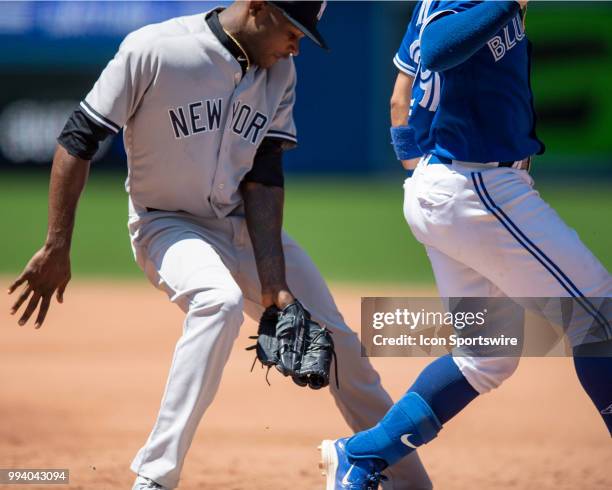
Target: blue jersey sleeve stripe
(433,17)
(404,67)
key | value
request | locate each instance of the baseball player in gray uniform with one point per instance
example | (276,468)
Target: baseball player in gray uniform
(206,105)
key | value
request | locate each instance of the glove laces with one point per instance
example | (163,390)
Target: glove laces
(374,480)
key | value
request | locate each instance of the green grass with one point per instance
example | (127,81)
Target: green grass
(353,229)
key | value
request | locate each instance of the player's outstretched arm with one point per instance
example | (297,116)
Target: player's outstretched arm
(449,40)
(263,206)
(48,271)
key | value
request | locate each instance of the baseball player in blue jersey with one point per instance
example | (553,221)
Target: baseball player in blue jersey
(463,103)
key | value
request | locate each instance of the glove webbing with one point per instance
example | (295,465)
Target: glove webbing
(314,348)
(317,347)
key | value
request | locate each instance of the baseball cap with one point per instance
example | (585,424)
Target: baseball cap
(304,16)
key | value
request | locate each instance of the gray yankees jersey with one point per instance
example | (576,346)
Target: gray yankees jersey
(192,122)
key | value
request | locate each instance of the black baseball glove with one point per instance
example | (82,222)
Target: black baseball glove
(296,345)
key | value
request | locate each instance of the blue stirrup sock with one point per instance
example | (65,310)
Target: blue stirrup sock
(439,393)
(595,375)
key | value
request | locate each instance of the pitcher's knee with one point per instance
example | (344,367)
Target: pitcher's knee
(227,299)
(231,299)
(487,373)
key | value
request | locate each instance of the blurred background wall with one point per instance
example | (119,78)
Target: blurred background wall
(51,53)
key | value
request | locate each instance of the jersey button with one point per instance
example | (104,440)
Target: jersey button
(221,186)
(237,77)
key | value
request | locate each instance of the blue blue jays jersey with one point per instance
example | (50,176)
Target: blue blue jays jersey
(481,110)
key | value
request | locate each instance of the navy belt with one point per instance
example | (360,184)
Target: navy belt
(155,210)
(523,164)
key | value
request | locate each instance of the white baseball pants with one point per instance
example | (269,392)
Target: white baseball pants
(488,233)
(207,267)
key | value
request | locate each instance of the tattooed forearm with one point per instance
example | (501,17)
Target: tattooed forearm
(264,216)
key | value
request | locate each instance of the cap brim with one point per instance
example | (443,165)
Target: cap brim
(313,34)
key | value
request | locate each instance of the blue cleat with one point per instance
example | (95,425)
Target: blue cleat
(346,473)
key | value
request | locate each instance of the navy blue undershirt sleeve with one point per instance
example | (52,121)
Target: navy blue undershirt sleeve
(452,39)
(81,137)
(268,164)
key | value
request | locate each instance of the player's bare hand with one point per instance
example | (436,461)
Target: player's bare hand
(48,272)
(279,298)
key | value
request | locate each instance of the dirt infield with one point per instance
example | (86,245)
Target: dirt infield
(82,393)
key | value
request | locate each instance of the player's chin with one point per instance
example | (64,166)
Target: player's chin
(269,61)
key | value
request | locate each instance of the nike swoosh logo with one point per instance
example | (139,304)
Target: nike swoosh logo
(406,441)
(345,480)
(607,411)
